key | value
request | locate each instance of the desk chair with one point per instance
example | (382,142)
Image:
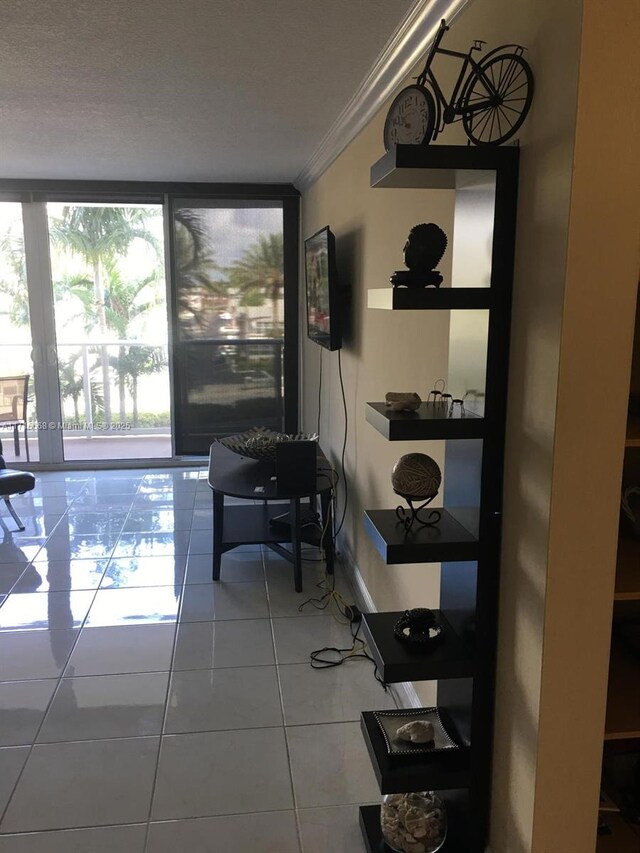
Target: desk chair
(13,407)
(14,483)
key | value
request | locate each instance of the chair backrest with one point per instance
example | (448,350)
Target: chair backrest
(14,391)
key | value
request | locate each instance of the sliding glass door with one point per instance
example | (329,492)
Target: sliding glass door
(17,409)
(111,329)
(231,311)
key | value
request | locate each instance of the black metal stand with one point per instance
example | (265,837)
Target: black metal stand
(407,519)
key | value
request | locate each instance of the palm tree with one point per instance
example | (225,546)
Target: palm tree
(198,289)
(123,305)
(137,361)
(12,247)
(99,235)
(259,275)
(71,384)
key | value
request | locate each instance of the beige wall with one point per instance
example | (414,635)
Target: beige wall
(384,351)
(563,452)
(597,331)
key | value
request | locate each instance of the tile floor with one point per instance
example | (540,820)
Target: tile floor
(144,709)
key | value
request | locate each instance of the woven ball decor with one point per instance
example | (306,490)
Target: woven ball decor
(416,476)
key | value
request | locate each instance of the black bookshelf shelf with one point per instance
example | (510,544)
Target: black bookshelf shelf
(372,834)
(430,421)
(447,541)
(429,298)
(400,773)
(450,657)
(440,166)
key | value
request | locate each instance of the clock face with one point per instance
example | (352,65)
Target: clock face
(410,119)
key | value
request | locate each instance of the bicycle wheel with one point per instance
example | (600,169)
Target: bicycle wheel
(505,83)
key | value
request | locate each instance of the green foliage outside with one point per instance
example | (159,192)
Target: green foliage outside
(108,303)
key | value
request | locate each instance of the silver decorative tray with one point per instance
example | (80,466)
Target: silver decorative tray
(260,443)
(390,722)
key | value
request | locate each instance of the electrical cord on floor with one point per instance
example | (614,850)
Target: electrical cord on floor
(331,656)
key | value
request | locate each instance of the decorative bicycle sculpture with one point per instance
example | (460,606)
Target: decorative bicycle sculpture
(491,98)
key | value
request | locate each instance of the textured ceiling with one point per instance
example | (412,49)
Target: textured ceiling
(204,90)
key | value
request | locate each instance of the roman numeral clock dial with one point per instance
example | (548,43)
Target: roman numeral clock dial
(411,118)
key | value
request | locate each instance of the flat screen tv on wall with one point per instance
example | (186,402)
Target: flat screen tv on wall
(323,295)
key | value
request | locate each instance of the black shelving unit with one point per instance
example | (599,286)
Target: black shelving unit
(430,421)
(432,298)
(447,540)
(448,768)
(467,540)
(451,657)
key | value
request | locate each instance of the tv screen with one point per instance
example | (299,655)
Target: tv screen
(323,308)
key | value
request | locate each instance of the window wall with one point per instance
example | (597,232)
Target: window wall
(148,322)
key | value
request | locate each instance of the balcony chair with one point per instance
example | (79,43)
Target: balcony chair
(14,483)
(13,407)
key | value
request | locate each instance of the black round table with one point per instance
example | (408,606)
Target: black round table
(231,475)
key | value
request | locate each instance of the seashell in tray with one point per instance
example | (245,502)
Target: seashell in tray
(417,731)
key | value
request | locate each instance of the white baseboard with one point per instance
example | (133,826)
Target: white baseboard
(404,693)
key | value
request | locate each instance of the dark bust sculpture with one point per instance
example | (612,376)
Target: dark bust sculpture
(423,252)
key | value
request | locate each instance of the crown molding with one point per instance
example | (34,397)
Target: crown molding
(401,53)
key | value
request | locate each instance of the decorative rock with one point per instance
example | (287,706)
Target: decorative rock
(417,731)
(399,401)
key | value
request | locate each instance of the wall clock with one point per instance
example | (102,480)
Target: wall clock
(411,118)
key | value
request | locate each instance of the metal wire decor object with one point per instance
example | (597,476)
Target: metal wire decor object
(260,443)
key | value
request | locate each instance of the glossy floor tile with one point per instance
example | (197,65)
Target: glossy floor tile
(10,573)
(35,654)
(111,651)
(31,611)
(46,575)
(269,832)
(206,602)
(161,520)
(334,828)
(230,772)
(236,566)
(152,544)
(144,571)
(333,695)
(106,706)
(146,709)
(214,699)
(12,760)
(294,638)
(134,606)
(330,765)
(106,839)
(96,783)
(225,643)
(22,708)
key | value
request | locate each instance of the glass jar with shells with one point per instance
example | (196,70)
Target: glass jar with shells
(413,823)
